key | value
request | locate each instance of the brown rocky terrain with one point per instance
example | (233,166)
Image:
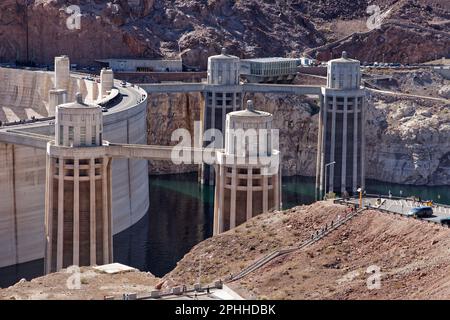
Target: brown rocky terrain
(411,255)
(415,31)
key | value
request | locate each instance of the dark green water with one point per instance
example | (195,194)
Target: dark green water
(181,215)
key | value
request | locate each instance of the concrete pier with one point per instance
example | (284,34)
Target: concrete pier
(222,95)
(248,181)
(106,81)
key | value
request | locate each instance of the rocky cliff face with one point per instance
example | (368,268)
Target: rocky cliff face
(167,113)
(297,120)
(197,29)
(408,141)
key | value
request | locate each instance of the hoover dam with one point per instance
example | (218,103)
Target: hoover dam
(24,94)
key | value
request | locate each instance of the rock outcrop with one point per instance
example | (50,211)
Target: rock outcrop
(408,141)
(167,113)
(445,92)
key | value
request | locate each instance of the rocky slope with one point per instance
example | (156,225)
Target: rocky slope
(411,257)
(198,28)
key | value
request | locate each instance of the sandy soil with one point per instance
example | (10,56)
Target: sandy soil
(89,285)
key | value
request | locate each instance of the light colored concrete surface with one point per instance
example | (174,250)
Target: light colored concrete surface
(114,268)
(22,168)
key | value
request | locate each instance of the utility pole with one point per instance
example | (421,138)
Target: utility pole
(360,190)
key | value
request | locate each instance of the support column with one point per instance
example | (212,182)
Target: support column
(344,147)
(265,188)
(111,253)
(76,212)
(105,211)
(323,148)
(333,146)
(224,116)
(319,151)
(276,195)
(203,126)
(233,198)
(221,198)
(355,144)
(60,236)
(49,212)
(217,195)
(93,228)
(363,144)
(249,193)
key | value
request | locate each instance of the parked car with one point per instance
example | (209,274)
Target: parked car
(421,212)
(443,220)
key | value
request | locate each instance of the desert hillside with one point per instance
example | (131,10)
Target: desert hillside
(411,255)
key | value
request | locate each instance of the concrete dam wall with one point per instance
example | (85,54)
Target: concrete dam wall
(22,169)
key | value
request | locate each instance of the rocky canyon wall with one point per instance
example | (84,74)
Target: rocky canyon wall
(408,141)
(196,29)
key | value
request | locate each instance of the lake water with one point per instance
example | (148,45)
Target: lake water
(181,215)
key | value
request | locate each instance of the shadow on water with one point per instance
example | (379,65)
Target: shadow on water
(28,270)
(181,215)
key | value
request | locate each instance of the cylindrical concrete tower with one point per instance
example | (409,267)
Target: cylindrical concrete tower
(106,81)
(248,179)
(62,72)
(55,98)
(78,190)
(341,144)
(223,69)
(223,95)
